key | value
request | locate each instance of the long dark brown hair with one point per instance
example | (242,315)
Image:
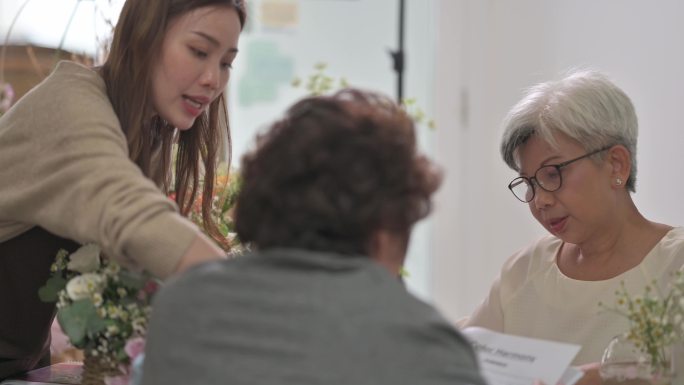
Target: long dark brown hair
(127,73)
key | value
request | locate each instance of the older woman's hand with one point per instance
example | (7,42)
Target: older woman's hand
(591,374)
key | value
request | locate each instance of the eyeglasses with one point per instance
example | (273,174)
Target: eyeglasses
(548,177)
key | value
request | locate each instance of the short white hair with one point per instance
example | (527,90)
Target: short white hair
(584,105)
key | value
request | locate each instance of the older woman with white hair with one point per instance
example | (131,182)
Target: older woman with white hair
(573,143)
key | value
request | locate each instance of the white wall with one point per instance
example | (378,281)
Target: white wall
(491,51)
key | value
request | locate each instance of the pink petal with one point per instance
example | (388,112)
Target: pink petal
(134,347)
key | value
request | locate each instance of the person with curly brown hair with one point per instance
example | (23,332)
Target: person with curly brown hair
(329,198)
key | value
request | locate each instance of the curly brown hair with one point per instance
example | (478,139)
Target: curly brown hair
(333,171)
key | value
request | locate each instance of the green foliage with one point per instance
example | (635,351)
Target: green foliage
(656,319)
(226,189)
(79,320)
(320,83)
(50,292)
(100,306)
(414,111)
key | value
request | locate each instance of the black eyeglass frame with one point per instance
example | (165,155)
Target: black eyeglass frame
(532,181)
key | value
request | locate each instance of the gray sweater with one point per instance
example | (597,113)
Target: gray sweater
(287,316)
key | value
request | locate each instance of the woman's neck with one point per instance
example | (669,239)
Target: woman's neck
(623,245)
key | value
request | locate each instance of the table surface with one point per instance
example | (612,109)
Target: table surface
(63,373)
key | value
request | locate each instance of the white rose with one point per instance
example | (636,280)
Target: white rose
(84,286)
(86,259)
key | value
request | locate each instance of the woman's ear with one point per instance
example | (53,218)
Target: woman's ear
(620,162)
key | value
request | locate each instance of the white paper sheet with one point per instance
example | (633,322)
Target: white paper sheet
(513,360)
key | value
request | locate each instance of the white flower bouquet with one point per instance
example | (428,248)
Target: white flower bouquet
(102,308)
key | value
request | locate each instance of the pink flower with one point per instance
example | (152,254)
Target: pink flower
(134,347)
(151,287)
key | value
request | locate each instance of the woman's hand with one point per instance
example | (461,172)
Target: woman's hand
(202,249)
(591,374)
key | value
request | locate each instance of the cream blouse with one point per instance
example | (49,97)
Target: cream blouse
(533,298)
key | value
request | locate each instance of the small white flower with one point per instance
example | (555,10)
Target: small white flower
(86,259)
(84,286)
(63,298)
(97,299)
(112,269)
(139,325)
(113,330)
(113,311)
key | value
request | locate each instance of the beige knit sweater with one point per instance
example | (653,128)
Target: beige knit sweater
(64,166)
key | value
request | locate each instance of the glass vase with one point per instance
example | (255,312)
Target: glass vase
(623,363)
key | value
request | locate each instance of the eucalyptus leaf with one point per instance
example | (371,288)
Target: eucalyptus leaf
(79,319)
(96,324)
(74,320)
(49,292)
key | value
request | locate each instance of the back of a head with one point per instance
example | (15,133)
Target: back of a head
(585,106)
(331,172)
